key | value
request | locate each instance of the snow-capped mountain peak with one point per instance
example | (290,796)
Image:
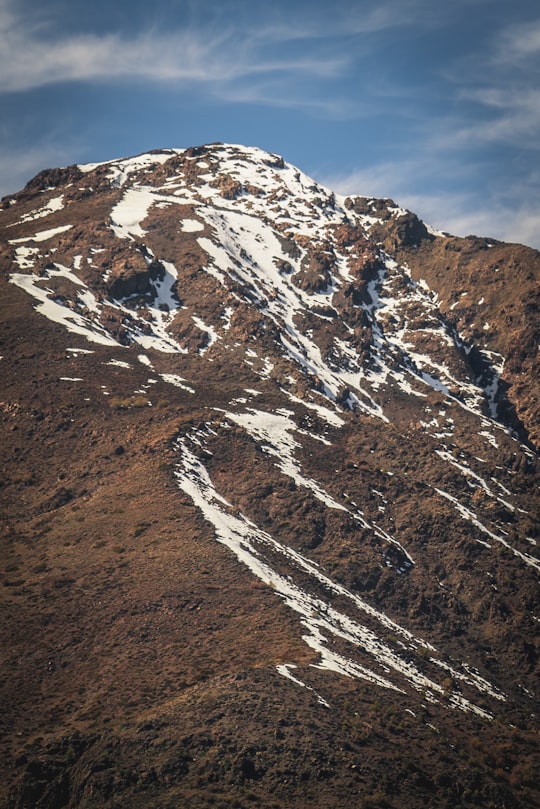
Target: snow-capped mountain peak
(334,382)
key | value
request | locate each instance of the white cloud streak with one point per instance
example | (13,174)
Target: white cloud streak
(212,53)
(33,56)
(181,57)
(501,84)
(518,43)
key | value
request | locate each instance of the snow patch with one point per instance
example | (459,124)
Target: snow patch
(42,235)
(191,225)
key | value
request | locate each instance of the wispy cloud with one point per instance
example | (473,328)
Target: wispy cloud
(470,170)
(496,92)
(33,57)
(206,51)
(518,43)
(514,116)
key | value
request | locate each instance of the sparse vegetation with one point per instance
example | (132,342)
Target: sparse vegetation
(128,402)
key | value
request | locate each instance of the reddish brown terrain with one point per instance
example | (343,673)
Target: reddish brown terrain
(269,496)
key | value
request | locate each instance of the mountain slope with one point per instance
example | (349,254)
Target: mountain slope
(270,483)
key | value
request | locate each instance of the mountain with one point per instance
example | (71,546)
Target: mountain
(269,495)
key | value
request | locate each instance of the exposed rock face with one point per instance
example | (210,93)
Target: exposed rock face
(269,495)
(489,293)
(398,227)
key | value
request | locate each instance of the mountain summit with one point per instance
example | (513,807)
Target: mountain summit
(270,491)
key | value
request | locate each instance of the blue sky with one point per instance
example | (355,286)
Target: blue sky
(436,105)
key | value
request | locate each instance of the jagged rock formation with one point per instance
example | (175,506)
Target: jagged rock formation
(270,479)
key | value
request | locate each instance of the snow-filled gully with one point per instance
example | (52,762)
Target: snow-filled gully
(339,638)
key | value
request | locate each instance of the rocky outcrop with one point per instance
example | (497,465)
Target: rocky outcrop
(394,227)
(128,281)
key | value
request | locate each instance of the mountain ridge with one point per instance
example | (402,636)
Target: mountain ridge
(310,383)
